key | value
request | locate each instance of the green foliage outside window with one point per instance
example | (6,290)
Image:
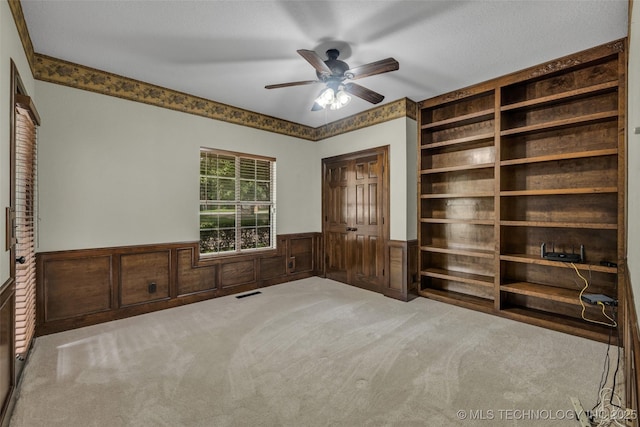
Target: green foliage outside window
(236,202)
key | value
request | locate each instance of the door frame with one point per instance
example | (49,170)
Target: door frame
(385,203)
(8,290)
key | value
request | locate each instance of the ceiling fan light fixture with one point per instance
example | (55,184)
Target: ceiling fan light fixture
(326,97)
(341,99)
(333,72)
(333,99)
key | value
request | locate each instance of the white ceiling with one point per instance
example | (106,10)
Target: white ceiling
(227,51)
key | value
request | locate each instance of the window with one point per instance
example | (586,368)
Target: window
(237,202)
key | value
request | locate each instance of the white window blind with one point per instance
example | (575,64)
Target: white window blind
(237,202)
(25,190)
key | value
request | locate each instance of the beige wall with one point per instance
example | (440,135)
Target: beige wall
(633,155)
(10,48)
(114,172)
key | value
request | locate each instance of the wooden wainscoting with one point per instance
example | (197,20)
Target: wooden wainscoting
(631,340)
(85,287)
(401,258)
(7,353)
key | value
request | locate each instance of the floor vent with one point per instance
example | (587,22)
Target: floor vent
(248,295)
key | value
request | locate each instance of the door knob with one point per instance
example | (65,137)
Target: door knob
(352,229)
(21,260)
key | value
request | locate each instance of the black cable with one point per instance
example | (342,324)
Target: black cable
(605,372)
(615,374)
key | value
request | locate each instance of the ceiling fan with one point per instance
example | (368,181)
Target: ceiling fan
(335,74)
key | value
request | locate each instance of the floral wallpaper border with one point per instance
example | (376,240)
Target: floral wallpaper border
(78,76)
(65,73)
(57,71)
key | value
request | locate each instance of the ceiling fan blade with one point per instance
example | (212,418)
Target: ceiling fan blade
(378,67)
(364,93)
(315,60)
(300,83)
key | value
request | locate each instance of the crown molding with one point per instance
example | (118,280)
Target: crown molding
(23,32)
(78,76)
(394,110)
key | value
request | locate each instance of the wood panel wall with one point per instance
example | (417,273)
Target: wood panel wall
(84,287)
(401,258)
(7,353)
(631,340)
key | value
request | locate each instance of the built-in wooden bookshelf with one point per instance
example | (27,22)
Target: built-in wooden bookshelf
(534,157)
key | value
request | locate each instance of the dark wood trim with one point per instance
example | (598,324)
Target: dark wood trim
(401,261)
(7,326)
(631,340)
(480,147)
(383,152)
(7,294)
(547,68)
(27,102)
(77,288)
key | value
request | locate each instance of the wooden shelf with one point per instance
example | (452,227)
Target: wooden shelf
(456,195)
(458,168)
(560,323)
(457,298)
(472,279)
(457,221)
(458,251)
(564,156)
(557,129)
(553,293)
(554,124)
(559,191)
(535,259)
(564,96)
(458,141)
(466,119)
(551,224)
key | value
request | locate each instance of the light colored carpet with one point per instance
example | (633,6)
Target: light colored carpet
(308,353)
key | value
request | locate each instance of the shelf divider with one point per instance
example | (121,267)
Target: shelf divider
(474,117)
(458,141)
(564,156)
(588,118)
(564,96)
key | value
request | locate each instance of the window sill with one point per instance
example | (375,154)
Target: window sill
(205,259)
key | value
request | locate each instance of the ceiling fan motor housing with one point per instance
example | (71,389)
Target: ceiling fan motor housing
(336,66)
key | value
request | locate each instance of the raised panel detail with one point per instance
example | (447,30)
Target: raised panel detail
(402,264)
(77,287)
(302,251)
(237,273)
(194,279)
(6,344)
(83,287)
(144,277)
(396,268)
(272,267)
(373,204)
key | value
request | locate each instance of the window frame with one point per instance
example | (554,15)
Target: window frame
(239,205)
